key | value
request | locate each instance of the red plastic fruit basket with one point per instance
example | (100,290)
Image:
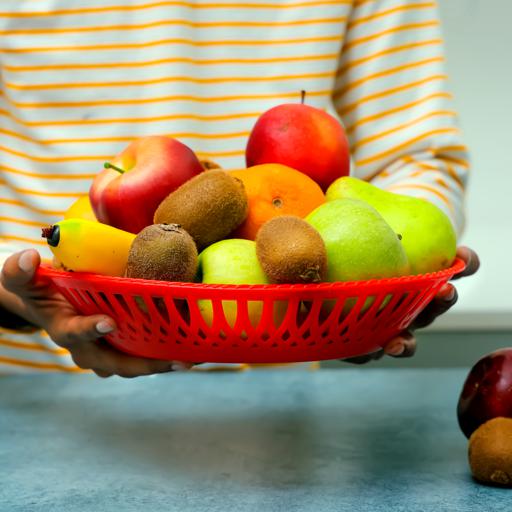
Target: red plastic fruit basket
(251,323)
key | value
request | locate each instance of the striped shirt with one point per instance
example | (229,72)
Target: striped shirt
(81,79)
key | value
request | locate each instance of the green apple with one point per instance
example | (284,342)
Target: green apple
(427,234)
(231,261)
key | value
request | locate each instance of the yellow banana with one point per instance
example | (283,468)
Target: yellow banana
(86,246)
(81,209)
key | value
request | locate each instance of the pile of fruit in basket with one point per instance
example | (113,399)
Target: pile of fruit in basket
(294,215)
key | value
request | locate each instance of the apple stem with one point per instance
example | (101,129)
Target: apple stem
(302,96)
(108,165)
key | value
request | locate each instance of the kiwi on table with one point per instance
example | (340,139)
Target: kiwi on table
(209,207)
(291,251)
(164,252)
(490,452)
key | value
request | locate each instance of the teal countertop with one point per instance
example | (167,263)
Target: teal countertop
(268,440)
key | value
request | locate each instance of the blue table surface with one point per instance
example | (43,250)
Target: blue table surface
(267,440)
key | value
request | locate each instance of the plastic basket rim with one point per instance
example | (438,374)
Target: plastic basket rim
(46,270)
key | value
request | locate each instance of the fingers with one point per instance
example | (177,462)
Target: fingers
(18,271)
(106,361)
(404,345)
(82,336)
(103,374)
(470,258)
(447,292)
(70,330)
(440,304)
(374,356)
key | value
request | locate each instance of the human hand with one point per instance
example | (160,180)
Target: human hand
(404,345)
(42,305)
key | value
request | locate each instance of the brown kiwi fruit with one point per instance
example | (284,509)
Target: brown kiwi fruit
(490,452)
(165,252)
(291,251)
(209,207)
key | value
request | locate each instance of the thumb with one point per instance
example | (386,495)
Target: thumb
(18,271)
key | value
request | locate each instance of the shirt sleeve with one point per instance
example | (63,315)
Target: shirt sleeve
(392,95)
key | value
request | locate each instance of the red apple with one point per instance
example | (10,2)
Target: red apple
(127,193)
(302,137)
(487,392)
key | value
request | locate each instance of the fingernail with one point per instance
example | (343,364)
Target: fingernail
(395,349)
(25,262)
(179,367)
(104,327)
(447,292)
(450,294)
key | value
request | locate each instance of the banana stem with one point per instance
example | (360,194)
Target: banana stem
(47,232)
(52,235)
(302,96)
(108,165)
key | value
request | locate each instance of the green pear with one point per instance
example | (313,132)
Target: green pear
(360,244)
(231,261)
(427,234)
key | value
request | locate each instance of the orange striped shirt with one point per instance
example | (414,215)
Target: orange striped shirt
(80,80)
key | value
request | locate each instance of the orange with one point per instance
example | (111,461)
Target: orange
(275,189)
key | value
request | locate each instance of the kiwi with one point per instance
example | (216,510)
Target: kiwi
(291,251)
(490,452)
(164,252)
(209,207)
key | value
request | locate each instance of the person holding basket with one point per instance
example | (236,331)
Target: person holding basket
(81,80)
